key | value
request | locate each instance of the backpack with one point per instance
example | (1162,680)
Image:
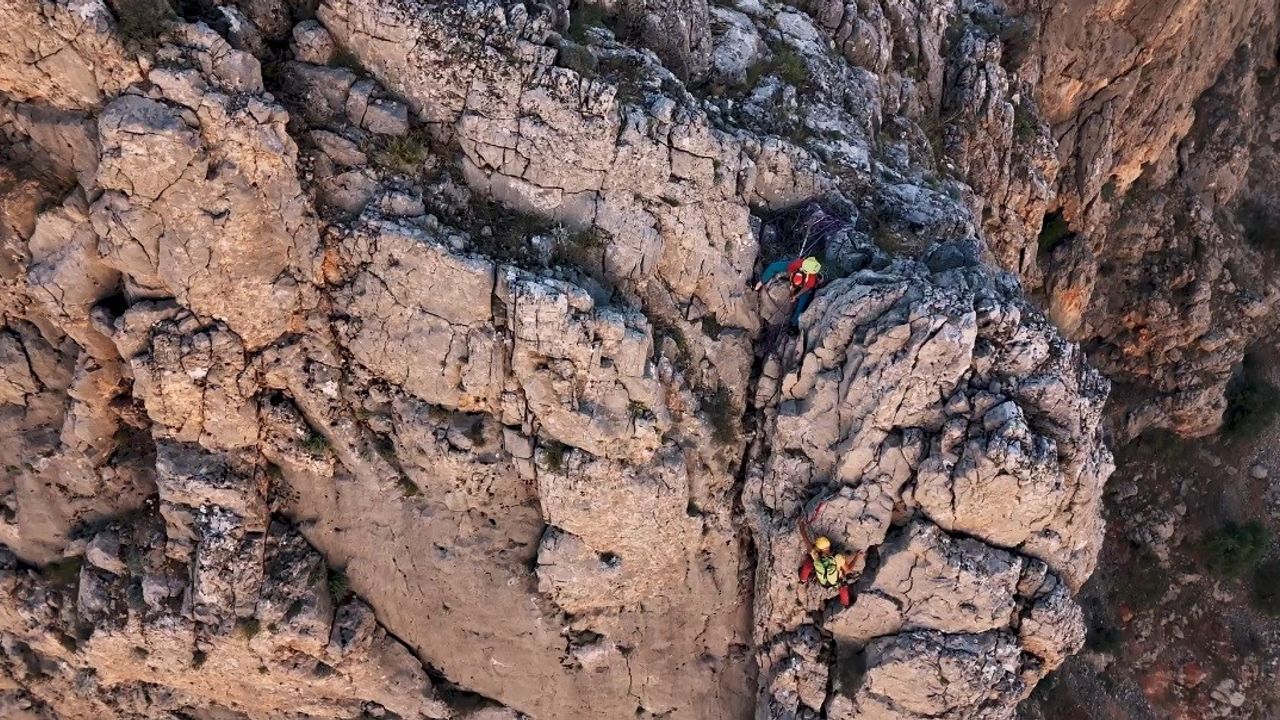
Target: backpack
(826,570)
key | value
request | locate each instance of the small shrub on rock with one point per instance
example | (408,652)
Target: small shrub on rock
(409,488)
(339,586)
(248,627)
(553,454)
(1104,638)
(639,411)
(1024,123)
(785,63)
(405,154)
(1261,226)
(315,443)
(584,17)
(1235,548)
(143,24)
(1146,584)
(63,573)
(1053,231)
(791,67)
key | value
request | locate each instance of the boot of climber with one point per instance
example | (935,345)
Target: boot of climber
(801,304)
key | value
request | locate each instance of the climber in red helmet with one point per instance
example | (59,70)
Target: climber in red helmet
(804,274)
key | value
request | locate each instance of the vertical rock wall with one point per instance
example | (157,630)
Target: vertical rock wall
(403,360)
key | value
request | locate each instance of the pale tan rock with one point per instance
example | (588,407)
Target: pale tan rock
(1111,133)
(382,451)
(584,371)
(1053,626)
(926,674)
(311,43)
(929,581)
(195,387)
(236,248)
(592,560)
(65,53)
(893,367)
(60,144)
(563,147)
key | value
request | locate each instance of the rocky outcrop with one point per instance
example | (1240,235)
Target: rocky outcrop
(65,53)
(1119,83)
(201,199)
(923,400)
(215,605)
(677,30)
(1157,112)
(62,414)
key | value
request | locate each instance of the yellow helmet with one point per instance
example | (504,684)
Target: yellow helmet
(822,544)
(811,266)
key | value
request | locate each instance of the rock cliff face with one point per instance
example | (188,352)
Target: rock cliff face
(1164,115)
(370,359)
(932,419)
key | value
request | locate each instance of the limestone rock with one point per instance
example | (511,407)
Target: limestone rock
(566,354)
(194,385)
(405,322)
(312,43)
(63,53)
(927,580)
(928,675)
(59,144)
(1138,192)
(104,552)
(203,200)
(435,386)
(738,45)
(66,275)
(1052,626)
(323,89)
(587,564)
(898,426)
(677,30)
(1110,136)
(271,17)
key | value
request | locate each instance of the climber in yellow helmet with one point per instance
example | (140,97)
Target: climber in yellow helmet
(831,570)
(805,275)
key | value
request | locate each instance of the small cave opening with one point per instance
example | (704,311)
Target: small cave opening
(115,304)
(1054,229)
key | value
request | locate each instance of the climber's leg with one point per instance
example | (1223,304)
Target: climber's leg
(802,302)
